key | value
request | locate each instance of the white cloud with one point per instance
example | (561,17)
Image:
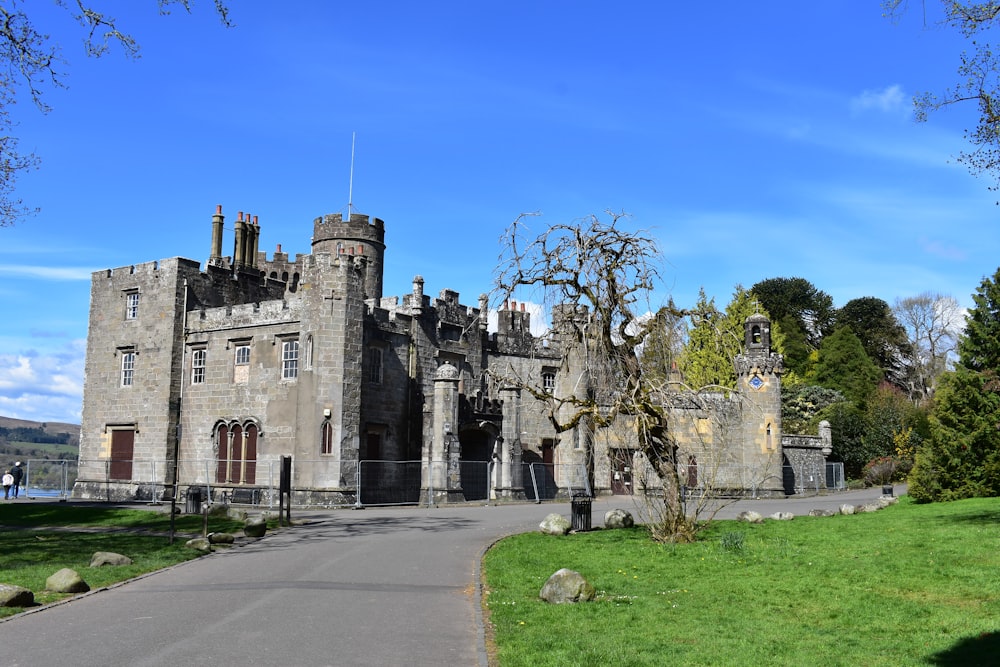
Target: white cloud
(47,272)
(891,99)
(43,386)
(15,371)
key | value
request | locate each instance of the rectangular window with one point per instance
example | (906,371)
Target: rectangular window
(289,360)
(128,368)
(241,364)
(131,305)
(549,382)
(198,358)
(375,365)
(242,355)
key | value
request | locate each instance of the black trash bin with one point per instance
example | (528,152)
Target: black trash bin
(194,498)
(580,510)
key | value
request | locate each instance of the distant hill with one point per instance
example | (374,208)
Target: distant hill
(20,438)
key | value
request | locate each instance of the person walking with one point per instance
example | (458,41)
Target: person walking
(17,472)
(8,481)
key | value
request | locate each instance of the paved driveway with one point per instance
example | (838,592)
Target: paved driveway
(381,586)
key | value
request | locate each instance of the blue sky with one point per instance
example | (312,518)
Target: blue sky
(773,140)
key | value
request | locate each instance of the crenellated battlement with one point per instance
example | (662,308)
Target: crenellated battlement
(357,227)
(357,235)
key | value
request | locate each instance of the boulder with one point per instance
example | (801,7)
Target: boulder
(567,586)
(885,501)
(199,544)
(15,596)
(255,526)
(750,517)
(618,518)
(847,509)
(102,558)
(554,524)
(235,513)
(66,581)
(867,507)
(782,516)
(819,512)
(221,538)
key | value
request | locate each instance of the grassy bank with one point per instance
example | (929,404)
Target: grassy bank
(909,585)
(32,551)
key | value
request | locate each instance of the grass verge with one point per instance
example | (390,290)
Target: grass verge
(34,552)
(909,585)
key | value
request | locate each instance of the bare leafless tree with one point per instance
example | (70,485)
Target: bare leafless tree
(933,323)
(598,277)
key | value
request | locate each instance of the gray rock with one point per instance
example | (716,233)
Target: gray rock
(255,526)
(750,517)
(847,509)
(236,513)
(867,507)
(221,538)
(618,518)
(66,581)
(15,596)
(555,524)
(885,501)
(102,558)
(782,516)
(819,512)
(567,586)
(199,544)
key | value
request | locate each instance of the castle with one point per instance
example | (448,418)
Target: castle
(207,376)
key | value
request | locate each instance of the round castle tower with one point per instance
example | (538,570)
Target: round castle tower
(358,235)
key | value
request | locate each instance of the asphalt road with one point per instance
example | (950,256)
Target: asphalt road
(380,586)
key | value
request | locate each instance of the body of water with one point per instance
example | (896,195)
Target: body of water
(35,492)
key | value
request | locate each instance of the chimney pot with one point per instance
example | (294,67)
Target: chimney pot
(279,248)
(218,209)
(239,216)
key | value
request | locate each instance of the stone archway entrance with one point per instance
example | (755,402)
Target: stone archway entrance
(475,457)
(621,472)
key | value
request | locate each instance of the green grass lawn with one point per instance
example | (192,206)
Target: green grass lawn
(909,585)
(30,555)
(18,450)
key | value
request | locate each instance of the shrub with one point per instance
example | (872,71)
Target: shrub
(879,471)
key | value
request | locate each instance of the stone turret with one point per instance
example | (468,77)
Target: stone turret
(358,235)
(758,378)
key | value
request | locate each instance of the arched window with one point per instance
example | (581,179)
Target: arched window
(237,447)
(308,352)
(236,454)
(222,446)
(326,438)
(250,455)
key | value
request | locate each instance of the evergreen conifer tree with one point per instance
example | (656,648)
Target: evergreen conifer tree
(962,457)
(844,365)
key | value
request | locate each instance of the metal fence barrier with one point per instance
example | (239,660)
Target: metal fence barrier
(48,478)
(377,482)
